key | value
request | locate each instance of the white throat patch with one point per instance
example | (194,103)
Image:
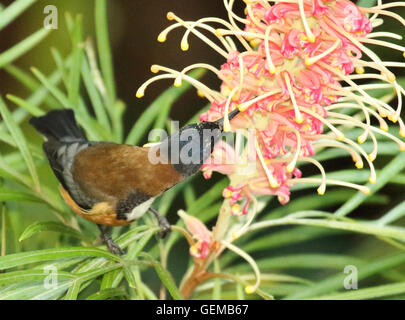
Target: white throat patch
(140,210)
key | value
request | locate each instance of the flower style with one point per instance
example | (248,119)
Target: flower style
(200,233)
(290,80)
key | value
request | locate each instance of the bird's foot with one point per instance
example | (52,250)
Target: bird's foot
(113,247)
(165,229)
(164,225)
(109,242)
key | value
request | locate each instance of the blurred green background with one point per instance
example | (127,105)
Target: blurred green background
(134,26)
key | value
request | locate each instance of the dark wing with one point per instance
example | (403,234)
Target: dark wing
(61,157)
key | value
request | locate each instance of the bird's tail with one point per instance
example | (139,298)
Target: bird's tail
(59,125)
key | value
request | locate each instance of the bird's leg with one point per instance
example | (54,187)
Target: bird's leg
(109,242)
(163,223)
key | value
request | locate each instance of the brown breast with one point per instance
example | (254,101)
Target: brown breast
(111,172)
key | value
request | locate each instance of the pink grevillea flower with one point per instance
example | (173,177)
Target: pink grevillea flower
(289,68)
(200,234)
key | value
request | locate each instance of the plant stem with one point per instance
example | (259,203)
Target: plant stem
(199,272)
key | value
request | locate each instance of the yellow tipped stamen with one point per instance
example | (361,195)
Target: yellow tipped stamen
(355,156)
(237,234)
(250,260)
(400,143)
(249,289)
(359,164)
(367,97)
(298,116)
(402,132)
(194,249)
(232,15)
(311,60)
(362,138)
(271,179)
(200,93)
(210,94)
(310,35)
(399,91)
(385,13)
(227,125)
(372,156)
(241,73)
(339,135)
(390,76)
(252,16)
(360,70)
(200,23)
(291,166)
(269,61)
(373,176)
(199,35)
(140,93)
(235,209)
(177,82)
(383,44)
(244,106)
(383,124)
(161,37)
(184,45)
(361,188)
(322,188)
(154,68)
(384,34)
(170,16)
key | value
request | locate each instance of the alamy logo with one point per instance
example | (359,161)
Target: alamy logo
(350,282)
(51,280)
(51,20)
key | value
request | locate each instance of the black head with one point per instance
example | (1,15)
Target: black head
(188,148)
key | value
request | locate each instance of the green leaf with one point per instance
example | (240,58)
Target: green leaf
(17,196)
(31,108)
(353,226)
(301,261)
(366,3)
(368,293)
(95,98)
(30,276)
(168,281)
(54,226)
(20,140)
(73,291)
(112,279)
(11,12)
(107,294)
(394,214)
(34,292)
(390,171)
(335,282)
(74,74)
(24,46)
(81,113)
(23,258)
(104,48)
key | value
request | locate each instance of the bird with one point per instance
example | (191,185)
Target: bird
(115,184)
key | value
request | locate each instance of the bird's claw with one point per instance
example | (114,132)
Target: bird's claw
(164,231)
(114,248)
